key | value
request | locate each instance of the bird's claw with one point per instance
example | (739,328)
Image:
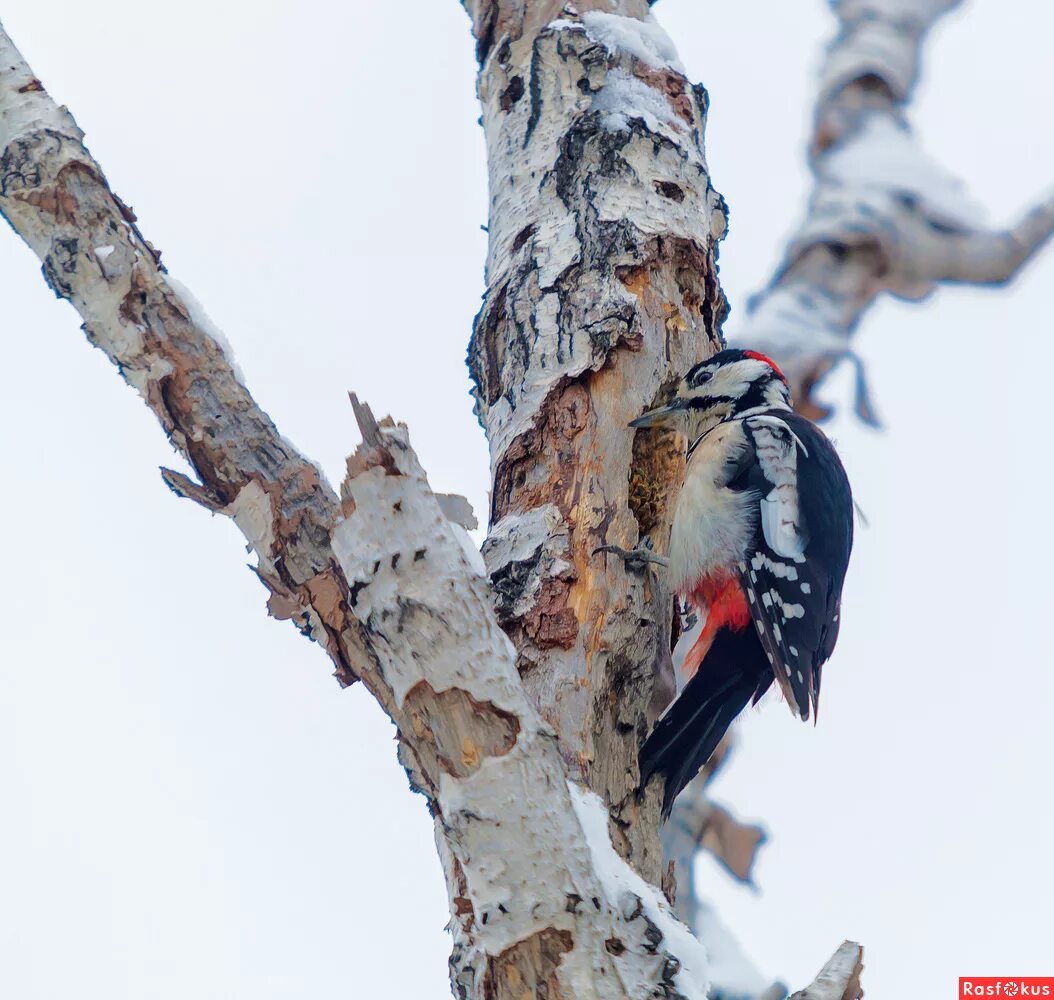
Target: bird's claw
(636,559)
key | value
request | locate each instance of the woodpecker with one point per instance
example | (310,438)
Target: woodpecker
(760,544)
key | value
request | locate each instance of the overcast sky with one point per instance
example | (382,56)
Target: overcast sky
(193,809)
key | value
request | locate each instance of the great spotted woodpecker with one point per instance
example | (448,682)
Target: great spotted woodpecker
(760,544)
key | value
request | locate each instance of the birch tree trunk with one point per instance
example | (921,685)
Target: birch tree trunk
(601,291)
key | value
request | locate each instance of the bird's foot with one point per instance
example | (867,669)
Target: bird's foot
(636,559)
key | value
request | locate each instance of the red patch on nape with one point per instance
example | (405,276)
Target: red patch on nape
(758,356)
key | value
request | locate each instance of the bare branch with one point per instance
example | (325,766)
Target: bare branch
(56,198)
(839,979)
(883,216)
(529,906)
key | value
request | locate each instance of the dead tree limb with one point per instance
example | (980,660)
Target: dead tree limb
(882,216)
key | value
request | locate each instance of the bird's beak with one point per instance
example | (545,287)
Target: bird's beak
(660,415)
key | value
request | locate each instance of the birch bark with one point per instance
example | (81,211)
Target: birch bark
(601,290)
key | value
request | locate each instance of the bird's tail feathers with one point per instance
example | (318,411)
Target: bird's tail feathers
(689,732)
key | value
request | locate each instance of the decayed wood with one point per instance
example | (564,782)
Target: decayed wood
(542,905)
(601,291)
(882,216)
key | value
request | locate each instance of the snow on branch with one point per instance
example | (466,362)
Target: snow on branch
(883,216)
(698,824)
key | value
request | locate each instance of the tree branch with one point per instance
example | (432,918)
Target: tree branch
(882,216)
(56,198)
(839,979)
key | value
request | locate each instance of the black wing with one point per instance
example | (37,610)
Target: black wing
(796,564)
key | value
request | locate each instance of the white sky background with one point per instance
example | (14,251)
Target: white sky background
(192,808)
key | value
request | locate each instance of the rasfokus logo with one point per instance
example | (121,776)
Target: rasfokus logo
(1015,987)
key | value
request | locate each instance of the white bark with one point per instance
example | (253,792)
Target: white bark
(56,198)
(882,217)
(601,291)
(839,979)
(539,898)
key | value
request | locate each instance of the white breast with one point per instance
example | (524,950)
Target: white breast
(712,524)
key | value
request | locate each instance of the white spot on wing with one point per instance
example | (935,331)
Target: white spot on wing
(777,449)
(805,588)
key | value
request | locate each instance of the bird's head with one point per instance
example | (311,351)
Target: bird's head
(726,386)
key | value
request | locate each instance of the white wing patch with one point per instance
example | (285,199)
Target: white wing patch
(781,521)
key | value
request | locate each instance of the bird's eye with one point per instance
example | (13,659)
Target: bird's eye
(704,377)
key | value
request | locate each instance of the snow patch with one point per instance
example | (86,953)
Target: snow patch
(103,252)
(518,537)
(468,547)
(885,155)
(732,973)
(624,97)
(201,320)
(645,40)
(617,879)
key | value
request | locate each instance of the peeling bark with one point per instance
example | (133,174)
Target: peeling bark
(601,291)
(883,217)
(56,198)
(533,902)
